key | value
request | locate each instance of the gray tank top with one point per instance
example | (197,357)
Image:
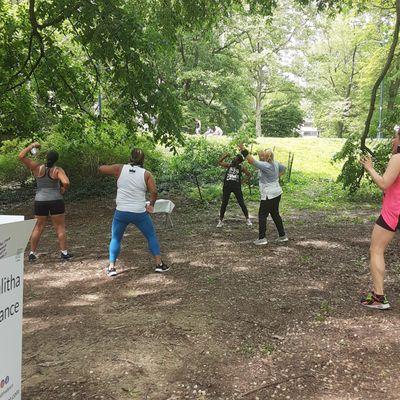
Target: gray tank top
(48,189)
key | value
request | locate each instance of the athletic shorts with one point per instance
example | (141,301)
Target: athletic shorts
(381,222)
(45,208)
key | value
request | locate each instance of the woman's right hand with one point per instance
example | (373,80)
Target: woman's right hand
(366,161)
(36,145)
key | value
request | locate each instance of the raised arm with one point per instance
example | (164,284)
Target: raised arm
(390,175)
(221,160)
(152,189)
(32,165)
(113,170)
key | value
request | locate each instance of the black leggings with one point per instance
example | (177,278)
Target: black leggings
(226,193)
(269,206)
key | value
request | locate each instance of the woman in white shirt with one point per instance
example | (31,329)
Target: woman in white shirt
(270,191)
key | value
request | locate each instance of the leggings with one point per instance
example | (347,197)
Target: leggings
(226,193)
(142,221)
(269,206)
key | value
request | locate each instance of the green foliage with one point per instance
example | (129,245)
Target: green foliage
(197,161)
(352,171)
(281,121)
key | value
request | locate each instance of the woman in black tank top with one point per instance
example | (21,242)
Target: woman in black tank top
(233,184)
(51,183)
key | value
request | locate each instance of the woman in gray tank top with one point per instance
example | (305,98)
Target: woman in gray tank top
(52,182)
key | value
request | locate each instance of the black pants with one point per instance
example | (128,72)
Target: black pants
(269,206)
(226,193)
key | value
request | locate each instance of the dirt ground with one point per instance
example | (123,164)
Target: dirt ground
(229,320)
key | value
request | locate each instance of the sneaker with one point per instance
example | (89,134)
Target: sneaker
(260,242)
(162,268)
(282,239)
(66,257)
(371,300)
(220,224)
(111,272)
(32,257)
(248,222)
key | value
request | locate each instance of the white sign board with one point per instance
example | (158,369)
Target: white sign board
(14,235)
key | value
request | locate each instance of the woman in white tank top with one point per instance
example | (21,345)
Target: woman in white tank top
(133,182)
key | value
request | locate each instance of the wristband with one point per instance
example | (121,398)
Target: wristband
(244,153)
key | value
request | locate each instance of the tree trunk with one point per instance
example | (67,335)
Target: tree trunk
(258,114)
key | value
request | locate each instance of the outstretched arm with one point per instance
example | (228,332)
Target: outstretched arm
(32,165)
(221,161)
(390,175)
(113,170)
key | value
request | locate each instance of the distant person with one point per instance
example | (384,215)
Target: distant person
(51,182)
(386,225)
(233,184)
(218,131)
(133,182)
(208,132)
(197,127)
(270,191)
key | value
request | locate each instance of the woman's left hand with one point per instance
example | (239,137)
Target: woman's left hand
(150,208)
(366,161)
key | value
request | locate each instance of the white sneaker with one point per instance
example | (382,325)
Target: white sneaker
(248,222)
(260,242)
(111,272)
(220,224)
(282,239)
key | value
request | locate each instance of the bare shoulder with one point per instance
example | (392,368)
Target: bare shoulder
(395,160)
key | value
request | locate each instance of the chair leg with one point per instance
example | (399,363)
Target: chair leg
(170,220)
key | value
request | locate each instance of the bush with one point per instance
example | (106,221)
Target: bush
(281,121)
(81,156)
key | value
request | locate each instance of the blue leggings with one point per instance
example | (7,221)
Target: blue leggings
(143,222)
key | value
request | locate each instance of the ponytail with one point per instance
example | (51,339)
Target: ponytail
(51,158)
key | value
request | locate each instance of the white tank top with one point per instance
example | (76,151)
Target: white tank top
(131,193)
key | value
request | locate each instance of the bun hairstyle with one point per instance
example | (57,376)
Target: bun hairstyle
(137,157)
(51,158)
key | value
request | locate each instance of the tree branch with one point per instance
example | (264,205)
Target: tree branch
(35,33)
(380,79)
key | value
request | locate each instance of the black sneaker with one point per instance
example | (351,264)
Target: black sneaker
(162,267)
(111,272)
(66,257)
(32,257)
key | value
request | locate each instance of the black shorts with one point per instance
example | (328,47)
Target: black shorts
(381,222)
(45,208)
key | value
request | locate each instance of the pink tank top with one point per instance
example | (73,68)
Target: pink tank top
(391,204)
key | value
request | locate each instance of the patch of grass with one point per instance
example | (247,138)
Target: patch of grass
(325,309)
(266,349)
(211,279)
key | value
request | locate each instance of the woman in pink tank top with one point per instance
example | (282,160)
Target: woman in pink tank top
(386,225)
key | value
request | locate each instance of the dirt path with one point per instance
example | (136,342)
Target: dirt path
(227,319)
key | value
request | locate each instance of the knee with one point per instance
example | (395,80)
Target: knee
(376,250)
(61,233)
(39,226)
